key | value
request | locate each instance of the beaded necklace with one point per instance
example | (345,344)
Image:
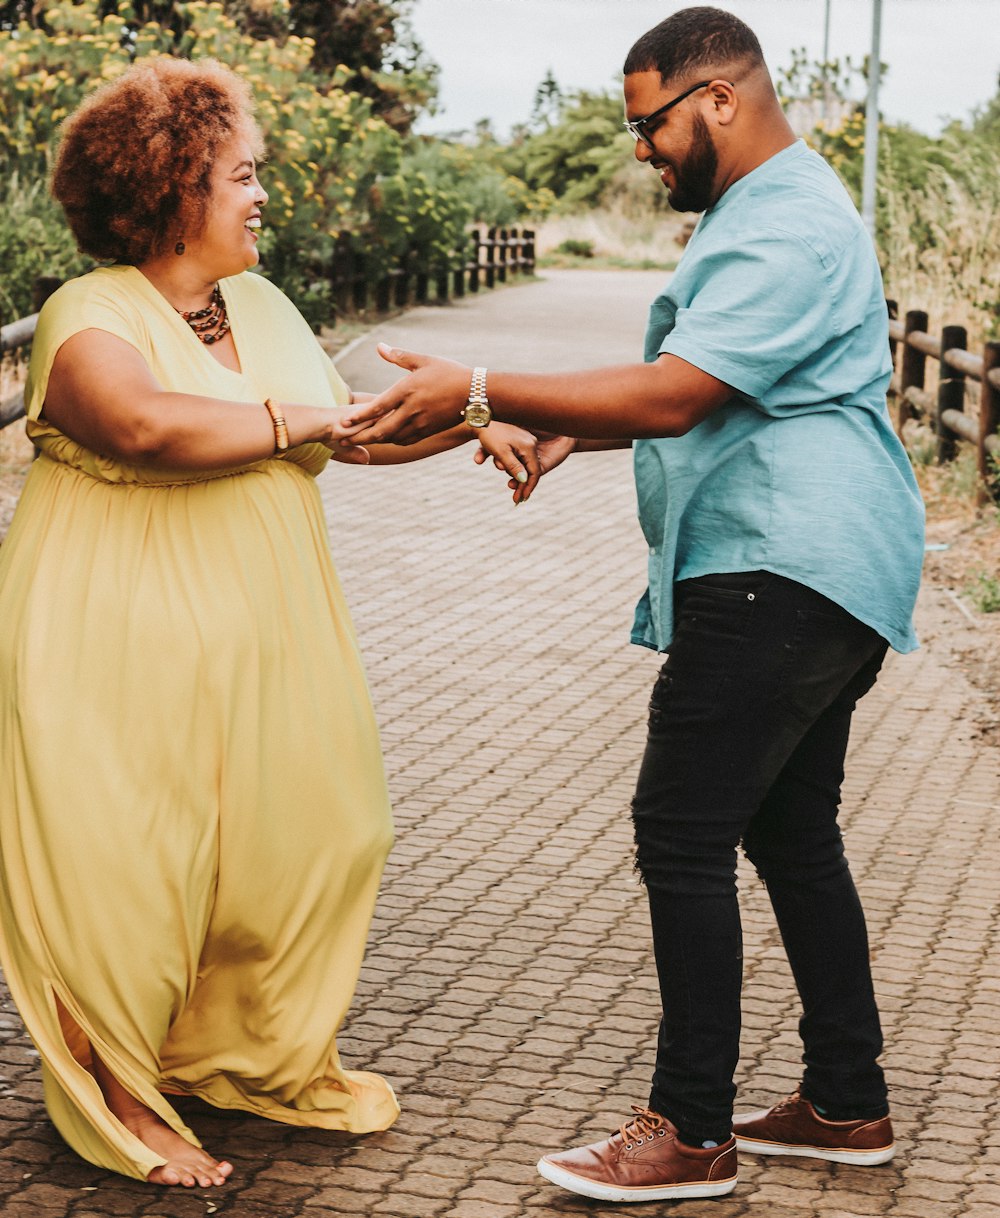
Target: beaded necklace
(211,323)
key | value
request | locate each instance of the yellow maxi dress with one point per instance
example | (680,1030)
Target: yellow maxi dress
(193,811)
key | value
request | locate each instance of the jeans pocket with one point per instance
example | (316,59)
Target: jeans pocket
(825,650)
(713,622)
(737,585)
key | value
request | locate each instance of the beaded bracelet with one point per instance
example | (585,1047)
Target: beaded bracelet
(280,427)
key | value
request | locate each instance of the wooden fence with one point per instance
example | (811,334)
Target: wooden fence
(965,402)
(490,258)
(487,261)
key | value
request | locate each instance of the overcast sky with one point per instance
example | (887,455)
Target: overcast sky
(943,55)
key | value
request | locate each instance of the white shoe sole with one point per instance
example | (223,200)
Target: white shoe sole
(606,1192)
(861,1158)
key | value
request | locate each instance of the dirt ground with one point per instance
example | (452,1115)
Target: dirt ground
(963,556)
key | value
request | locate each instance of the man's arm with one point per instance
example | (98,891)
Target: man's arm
(632,401)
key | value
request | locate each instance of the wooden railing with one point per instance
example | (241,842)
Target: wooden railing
(964,404)
(486,261)
(489,260)
(17,334)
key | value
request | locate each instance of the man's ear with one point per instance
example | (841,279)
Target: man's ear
(723,101)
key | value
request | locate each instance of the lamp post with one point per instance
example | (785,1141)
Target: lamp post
(826,66)
(870,165)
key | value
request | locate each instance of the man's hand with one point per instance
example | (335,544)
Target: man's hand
(429,400)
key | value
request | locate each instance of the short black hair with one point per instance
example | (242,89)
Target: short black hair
(692,40)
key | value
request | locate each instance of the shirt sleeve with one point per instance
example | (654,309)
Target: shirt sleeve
(77,306)
(759,311)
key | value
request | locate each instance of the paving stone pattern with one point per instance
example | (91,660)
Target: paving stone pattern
(509,991)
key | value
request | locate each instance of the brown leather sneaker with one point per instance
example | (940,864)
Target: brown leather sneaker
(643,1161)
(794,1127)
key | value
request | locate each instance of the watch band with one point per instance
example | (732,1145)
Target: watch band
(477,412)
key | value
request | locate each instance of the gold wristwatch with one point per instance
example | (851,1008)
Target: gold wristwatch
(477,411)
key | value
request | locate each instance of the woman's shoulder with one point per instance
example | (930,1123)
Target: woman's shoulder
(110,286)
(252,287)
(264,302)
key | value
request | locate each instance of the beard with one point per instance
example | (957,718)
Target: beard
(695,176)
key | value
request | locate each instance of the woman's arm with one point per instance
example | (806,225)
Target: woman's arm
(103,394)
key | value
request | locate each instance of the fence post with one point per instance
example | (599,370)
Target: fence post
(474,264)
(502,271)
(359,282)
(950,394)
(989,421)
(528,235)
(911,372)
(491,249)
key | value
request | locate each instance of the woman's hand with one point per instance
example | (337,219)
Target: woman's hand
(546,451)
(339,439)
(513,450)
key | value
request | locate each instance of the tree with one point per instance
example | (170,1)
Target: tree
(374,40)
(548,102)
(364,46)
(577,156)
(986,121)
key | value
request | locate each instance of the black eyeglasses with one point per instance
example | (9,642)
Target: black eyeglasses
(635,127)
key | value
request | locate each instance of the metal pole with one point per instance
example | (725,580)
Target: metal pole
(870,169)
(826,65)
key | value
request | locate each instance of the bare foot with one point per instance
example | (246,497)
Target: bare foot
(186,1164)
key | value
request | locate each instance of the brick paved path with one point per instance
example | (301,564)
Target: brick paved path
(509,991)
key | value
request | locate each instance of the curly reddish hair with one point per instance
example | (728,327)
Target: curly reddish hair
(134,165)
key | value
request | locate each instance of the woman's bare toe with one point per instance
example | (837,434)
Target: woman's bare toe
(186,1165)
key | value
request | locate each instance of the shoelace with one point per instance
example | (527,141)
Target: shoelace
(644,1124)
(790,1101)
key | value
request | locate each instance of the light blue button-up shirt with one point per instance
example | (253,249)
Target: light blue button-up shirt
(779,294)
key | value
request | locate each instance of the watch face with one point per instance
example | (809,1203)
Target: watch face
(478,414)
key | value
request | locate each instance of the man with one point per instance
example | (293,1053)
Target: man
(785,536)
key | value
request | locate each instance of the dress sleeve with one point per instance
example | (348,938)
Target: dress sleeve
(761,309)
(76,306)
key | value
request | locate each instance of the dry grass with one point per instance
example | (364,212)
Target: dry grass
(617,236)
(941,244)
(15,461)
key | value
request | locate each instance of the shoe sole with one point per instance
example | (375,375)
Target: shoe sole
(861,1158)
(606,1192)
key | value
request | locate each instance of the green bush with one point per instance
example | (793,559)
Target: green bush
(576,248)
(984,591)
(34,241)
(340,178)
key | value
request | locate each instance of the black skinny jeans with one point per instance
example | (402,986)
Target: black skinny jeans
(748,728)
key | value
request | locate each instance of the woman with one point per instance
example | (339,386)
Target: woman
(193,811)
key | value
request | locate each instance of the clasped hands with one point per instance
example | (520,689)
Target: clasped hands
(430,400)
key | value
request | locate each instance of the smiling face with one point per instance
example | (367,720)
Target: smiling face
(683,152)
(228,240)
